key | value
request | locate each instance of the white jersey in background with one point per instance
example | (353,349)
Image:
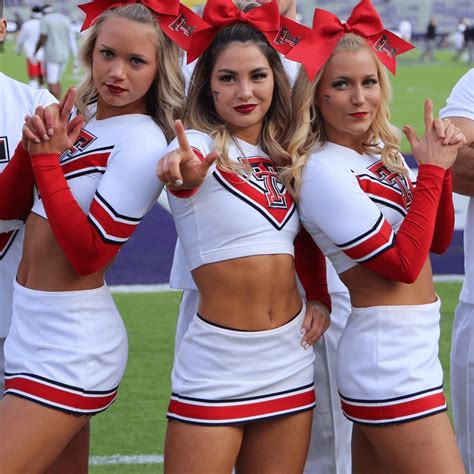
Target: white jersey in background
(16,101)
(461,104)
(28,39)
(61,41)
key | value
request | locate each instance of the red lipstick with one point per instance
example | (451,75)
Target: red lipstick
(245,109)
(115,89)
(360,114)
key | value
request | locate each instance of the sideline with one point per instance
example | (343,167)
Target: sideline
(119,459)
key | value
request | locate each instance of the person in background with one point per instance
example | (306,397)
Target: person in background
(430,42)
(459,40)
(405,28)
(59,42)
(26,43)
(460,111)
(16,101)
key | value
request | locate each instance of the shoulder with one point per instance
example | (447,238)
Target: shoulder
(141,134)
(460,103)
(15,93)
(199,140)
(328,172)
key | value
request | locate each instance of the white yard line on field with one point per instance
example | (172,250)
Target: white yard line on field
(119,459)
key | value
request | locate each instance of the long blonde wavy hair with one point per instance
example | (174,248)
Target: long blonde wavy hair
(307,126)
(200,113)
(164,99)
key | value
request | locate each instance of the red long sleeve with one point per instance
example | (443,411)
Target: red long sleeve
(16,187)
(444,226)
(409,247)
(310,266)
(78,238)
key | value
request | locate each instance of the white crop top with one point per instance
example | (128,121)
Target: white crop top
(344,199)
(113,163)
(232,216)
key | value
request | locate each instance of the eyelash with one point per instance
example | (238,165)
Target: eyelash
(106,53)
(256,77)
(367,82)
(226,78)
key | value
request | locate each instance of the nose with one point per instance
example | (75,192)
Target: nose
(358,96)
(244,91)
(117,70)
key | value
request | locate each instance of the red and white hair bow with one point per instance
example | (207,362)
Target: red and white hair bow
(177,21)
(314,50)
(281,32)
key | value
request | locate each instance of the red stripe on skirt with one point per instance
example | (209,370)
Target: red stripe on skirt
(74,401)
(396,410)
(248,410)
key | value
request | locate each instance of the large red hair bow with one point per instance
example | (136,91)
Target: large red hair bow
(315,49)
(282,33)
(177,21)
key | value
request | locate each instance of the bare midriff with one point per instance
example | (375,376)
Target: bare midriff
(250,293)
(367,288)
(45,267)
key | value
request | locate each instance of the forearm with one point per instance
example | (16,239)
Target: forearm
(406,253)
(16,187)
(463,171)
(310,266)
(74,232)
(463,168)
(444,225)
(40,44)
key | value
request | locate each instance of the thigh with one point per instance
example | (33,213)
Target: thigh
(365,460)
(424,445)
(74,458)
(32,435)
(197,449)
(277,446)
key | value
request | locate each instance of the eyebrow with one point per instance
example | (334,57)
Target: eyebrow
(253,71)
(138,55)
(349,77)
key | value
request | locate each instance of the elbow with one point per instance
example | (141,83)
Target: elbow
(85,267)
(408,275)
(409,278)
(439,249)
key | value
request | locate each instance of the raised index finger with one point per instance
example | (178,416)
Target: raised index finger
(428,115)
(67,103)
(181,136)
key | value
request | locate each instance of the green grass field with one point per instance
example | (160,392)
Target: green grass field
(136,423)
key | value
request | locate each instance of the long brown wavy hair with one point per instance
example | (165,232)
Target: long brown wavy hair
(200,112)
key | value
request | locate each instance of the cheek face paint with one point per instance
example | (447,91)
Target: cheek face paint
(328,99)
(216,95)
